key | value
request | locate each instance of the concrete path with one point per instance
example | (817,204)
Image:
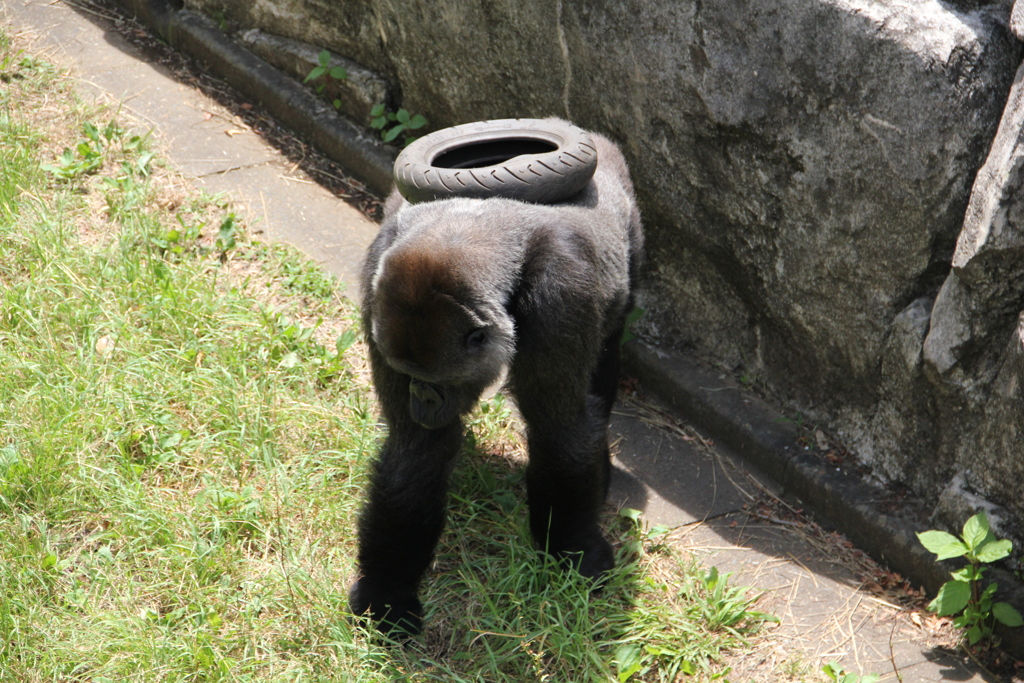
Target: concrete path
(728,515)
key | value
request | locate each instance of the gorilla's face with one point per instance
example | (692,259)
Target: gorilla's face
(450,350)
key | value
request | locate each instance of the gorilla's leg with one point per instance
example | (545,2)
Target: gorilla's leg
(567,479)
(404,512)
(604,381)
(604,385)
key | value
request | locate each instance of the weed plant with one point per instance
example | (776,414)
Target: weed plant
(185,426)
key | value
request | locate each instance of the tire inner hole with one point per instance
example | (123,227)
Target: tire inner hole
(482,154)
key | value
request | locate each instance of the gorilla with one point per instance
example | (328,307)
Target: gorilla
(456,291)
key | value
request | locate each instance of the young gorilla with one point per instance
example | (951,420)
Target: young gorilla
(455,290)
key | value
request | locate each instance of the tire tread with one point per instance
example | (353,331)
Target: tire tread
(543,178)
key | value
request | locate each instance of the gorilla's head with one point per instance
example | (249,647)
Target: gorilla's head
(431,324)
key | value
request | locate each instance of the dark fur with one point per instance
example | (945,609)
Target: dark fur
(453,291)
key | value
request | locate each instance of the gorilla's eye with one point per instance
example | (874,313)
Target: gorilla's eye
(476,338)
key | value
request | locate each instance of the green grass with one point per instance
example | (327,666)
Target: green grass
(185,427)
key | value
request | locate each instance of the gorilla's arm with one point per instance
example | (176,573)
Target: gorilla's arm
(404,513)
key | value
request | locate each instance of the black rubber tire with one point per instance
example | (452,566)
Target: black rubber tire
(533,160)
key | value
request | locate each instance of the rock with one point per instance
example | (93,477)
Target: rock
(1017,19)
(979,302)
(355,95)
(901,441)
(995,457)
(951,330)
(958,502)
(976,373)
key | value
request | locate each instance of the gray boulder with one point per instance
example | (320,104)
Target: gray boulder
(974,351)
(978,304)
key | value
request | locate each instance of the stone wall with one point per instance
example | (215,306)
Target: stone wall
(803,166)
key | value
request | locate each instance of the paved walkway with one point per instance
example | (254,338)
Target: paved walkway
(724,513)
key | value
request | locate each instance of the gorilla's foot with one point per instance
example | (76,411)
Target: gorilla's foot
(592,559)
(396,618)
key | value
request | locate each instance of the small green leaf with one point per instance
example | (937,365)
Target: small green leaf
(627,333)
(402,115)
(338,72)
(952,598)
(628,660)
(658,530)
(317,72)
(711,580)
(506,500)
(965,574)
(49,562)
(91,132)
(378,110)
(944,545)
(142,164)
(994,550)
(417,121)
(344,341)
(630,513)
(324,58)
(975,530)
(226,234)
(171,441)
(1006,614)
(393,133)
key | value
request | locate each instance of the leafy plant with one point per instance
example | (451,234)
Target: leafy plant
(720,606)
(391,124)
(962,594)
(89,155)
(86,158)
(840,675)
(330,365)
(175,242)
(226,235)
(632,317)
(324,68)
(305,278)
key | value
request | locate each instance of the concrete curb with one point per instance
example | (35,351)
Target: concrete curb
(743,423)
(752,429)
(279,94)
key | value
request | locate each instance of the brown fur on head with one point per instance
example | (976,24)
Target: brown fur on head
(428,324)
